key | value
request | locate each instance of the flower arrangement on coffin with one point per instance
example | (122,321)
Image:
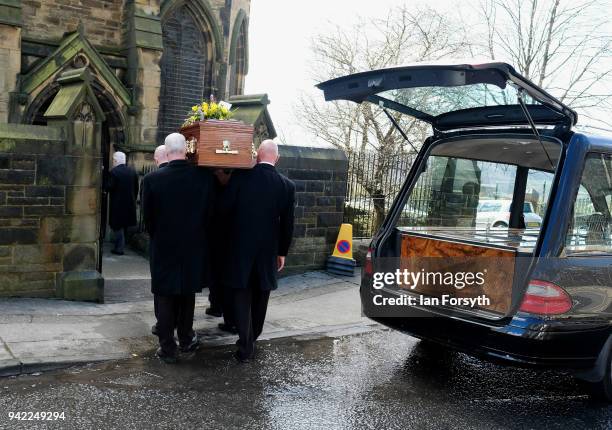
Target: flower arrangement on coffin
(209,110)
(215,140)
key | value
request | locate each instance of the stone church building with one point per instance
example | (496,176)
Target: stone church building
(149,60)
(80,79)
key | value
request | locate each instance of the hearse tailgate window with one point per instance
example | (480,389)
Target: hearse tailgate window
(436,101)
(454,96)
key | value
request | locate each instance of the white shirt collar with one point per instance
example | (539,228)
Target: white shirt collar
(266,162)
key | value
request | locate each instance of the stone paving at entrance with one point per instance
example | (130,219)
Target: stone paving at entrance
(42,334)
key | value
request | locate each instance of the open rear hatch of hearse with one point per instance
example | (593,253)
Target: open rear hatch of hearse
(453,96)
(444,218)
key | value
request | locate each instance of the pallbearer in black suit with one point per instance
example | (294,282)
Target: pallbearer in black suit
(123,190)
(177,207)
(160,156)
(261,206)
(220,297)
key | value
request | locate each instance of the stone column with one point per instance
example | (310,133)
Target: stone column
(143,41)
(75,110)
(10,52)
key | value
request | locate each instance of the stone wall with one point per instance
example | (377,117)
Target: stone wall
(320,176)
(103,19)
(49,221)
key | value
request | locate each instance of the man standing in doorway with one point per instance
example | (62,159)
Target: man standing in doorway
(123,190)
(177,205)
(260,203)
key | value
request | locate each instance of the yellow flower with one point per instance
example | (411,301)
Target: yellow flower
(208,110)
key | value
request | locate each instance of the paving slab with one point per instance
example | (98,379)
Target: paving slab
(42,334)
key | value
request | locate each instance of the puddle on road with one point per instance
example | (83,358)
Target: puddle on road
(380,379)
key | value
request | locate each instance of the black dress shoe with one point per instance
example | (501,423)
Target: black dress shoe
(154,330)
(228,328)
(117,252)
(240,359)
(192,346)
(214,312)
(166,358)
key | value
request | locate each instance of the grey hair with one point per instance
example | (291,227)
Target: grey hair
(119,157)
(160,152)
(175,144)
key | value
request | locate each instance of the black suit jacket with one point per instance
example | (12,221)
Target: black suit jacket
(123,189)
(177,204)
(259,204)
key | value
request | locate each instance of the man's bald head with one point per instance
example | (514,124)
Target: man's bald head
(176,147)
(160,155)
(268,152)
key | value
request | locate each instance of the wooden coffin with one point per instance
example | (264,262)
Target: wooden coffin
(215,143)
(438,255)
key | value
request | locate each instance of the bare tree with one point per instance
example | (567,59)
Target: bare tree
(406,35)
(564,46)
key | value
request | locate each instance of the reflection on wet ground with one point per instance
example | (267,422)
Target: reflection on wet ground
(382,379)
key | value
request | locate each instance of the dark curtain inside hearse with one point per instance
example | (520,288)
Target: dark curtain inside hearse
(477,204)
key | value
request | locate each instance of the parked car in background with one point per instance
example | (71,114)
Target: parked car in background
(496,213)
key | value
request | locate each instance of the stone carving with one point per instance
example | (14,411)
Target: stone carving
(84,126)
(79,61)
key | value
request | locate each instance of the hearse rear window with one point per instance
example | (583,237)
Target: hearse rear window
(589,231)
(456,192)
(448,192)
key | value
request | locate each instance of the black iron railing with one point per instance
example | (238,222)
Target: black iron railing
(374,180)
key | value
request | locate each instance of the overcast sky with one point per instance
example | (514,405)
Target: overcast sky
(280,35)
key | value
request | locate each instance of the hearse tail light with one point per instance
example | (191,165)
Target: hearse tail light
(545,298)
(368,268)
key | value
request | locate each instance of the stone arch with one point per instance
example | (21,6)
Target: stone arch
(204,13)
(191,47)
(115,120)
(239,53)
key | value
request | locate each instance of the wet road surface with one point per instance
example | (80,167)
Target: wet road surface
(377,380)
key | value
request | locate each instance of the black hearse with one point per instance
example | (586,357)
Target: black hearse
(496,136)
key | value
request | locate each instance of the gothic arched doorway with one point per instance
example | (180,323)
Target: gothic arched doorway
(112,137)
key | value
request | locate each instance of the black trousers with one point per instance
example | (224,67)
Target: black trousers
(155,307)
(119,240)
(156,312)
(228,305)
(173,310)
(215,295)
(250,306)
